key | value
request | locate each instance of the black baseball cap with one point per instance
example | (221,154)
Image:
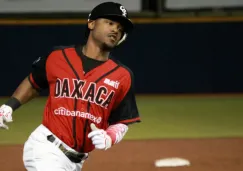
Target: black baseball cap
(113,11)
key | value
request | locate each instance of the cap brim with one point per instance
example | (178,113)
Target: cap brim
(128,25)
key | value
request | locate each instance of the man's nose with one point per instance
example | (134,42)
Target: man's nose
(115,28)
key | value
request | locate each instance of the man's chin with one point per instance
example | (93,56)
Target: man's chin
(108,46)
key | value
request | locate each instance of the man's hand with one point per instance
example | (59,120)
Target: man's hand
(99,138)
(5,115)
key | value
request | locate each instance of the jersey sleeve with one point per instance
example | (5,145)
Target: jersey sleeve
(37,77)
(126,112)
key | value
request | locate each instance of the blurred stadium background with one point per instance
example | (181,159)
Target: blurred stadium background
(186,56)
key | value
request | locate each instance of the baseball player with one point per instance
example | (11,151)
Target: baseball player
(91,98)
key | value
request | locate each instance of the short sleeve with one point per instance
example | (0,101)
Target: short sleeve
(37,76)
(127,111)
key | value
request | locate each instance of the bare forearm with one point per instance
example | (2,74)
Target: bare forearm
(25,92)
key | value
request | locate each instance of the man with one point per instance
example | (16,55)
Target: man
(91,100)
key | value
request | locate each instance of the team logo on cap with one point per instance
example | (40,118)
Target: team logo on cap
(124,11)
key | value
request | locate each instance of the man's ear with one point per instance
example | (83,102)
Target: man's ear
(91,25)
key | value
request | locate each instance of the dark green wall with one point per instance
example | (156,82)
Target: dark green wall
(165,58)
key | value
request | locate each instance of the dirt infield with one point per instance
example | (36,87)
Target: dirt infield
(204,155)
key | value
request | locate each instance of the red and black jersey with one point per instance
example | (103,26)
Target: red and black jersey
(83,91)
